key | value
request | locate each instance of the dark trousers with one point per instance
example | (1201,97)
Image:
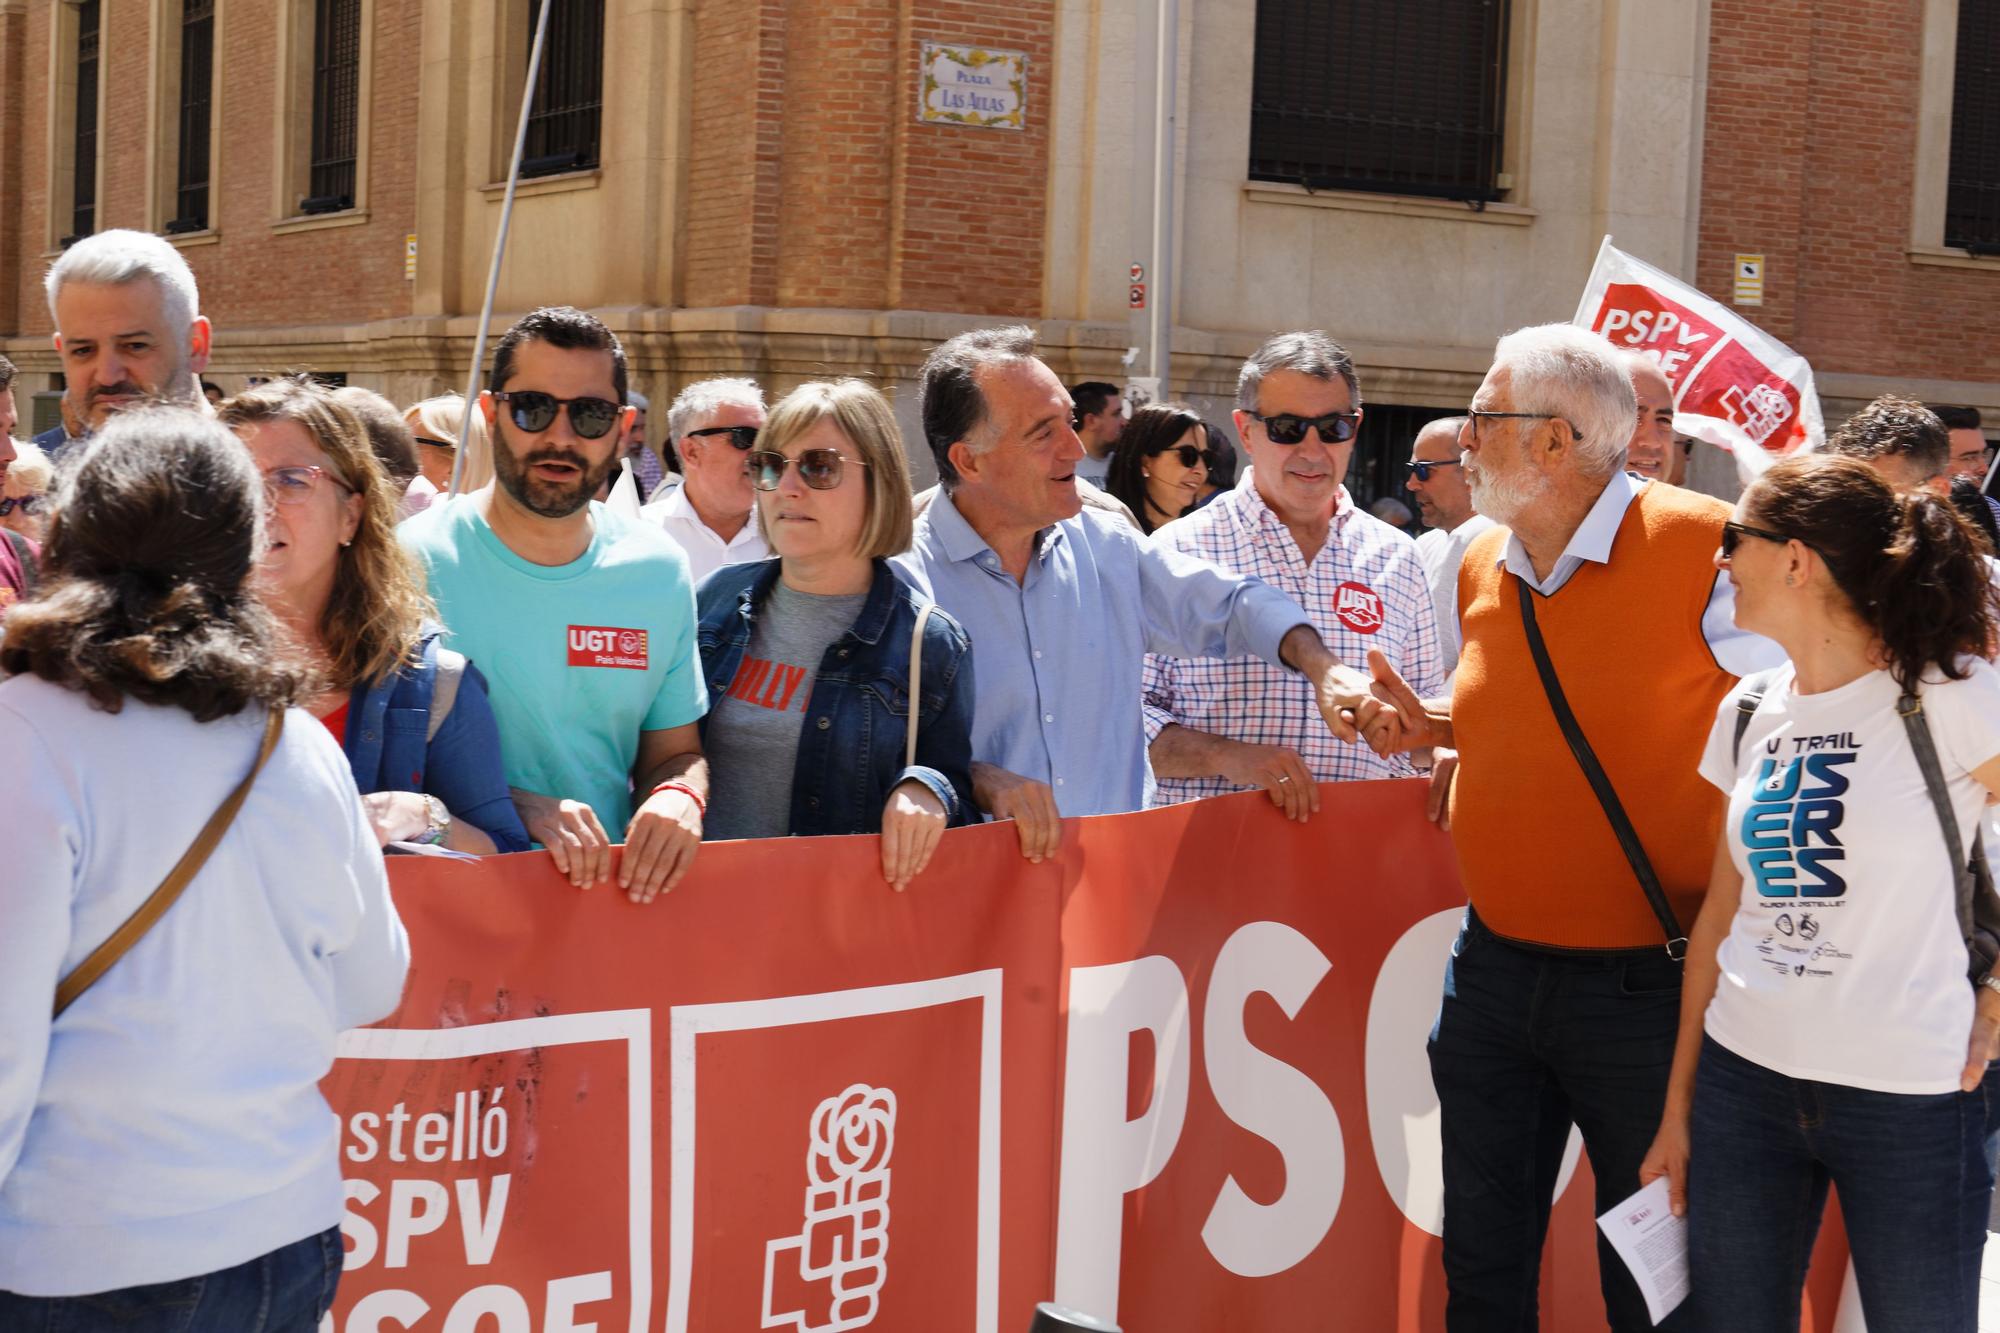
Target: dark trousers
(285,1291)
(1913,1181)
(1527,1042)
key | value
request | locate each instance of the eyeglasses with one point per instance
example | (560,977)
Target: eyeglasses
(1474,415)
(293,485)
(1421,468)
(742,437)
(534,411)
(436,443)
(1733,534)
(27,504)
(1287,428)
(1187,453)
(818,468)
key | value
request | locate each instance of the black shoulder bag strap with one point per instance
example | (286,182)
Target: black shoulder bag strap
(1586,759)
(1971,876)
(1754,686)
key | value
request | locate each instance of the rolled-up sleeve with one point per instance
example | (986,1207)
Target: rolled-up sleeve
(1194,609)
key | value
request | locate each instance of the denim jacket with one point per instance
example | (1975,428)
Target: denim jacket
(389,748)
(852,739)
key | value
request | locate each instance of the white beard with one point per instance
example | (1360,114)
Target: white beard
(1503,499)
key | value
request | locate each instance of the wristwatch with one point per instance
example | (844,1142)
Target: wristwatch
(1990,981)
(439,826)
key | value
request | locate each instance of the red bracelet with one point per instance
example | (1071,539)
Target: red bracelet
(683,788)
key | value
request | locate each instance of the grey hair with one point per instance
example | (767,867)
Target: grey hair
(704,396)
(1577,375)
(949,399)
(1309,352)
(114,258)
(633,398)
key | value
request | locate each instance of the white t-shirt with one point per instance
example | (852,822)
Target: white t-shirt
(1844,963)
(1442,553)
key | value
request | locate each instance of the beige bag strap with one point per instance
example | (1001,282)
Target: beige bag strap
(916,679)
(190,864)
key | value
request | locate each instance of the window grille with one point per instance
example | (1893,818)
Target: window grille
(83,148)
(568,95)
(1381,95)
(197,91)
(336,106)
(1972,190)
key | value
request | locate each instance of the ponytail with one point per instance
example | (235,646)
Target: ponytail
(1930,598)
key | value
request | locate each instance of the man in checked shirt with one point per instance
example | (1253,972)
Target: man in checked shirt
(1217,726)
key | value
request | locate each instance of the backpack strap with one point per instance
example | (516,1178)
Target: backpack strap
(1963,872)
(1755,685)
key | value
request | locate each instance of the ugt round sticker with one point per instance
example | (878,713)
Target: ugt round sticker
(1358,607)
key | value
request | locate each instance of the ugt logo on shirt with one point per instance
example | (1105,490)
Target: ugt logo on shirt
(1359,607)
(607,646)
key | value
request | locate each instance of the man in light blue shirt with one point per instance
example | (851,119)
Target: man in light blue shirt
(1062,603)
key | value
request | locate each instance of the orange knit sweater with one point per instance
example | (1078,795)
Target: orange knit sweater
(1538,857)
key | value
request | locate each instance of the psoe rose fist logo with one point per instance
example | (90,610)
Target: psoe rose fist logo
(841,1253)
(1358,607)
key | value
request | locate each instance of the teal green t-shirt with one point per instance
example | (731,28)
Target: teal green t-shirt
(579,658)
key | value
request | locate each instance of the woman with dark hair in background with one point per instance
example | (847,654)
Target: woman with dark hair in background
(1160,463)
(412,715)
(1828,1031)
(166,1157)
(1220,456)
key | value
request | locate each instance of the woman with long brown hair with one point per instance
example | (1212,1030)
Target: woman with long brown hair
(412,715)
(166,1156)
(1160,463)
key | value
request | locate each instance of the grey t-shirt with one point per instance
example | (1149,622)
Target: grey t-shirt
(753,732)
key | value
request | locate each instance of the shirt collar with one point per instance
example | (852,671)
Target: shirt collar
(1593,537)
(677,505)
(1263,518)
(960,541)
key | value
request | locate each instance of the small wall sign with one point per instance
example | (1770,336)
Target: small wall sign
(970,85)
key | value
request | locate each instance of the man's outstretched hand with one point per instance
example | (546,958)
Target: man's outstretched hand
(1402,723)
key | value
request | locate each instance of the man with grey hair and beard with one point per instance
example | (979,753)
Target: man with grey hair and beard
(1064,602)
(1599,599)
(711,515)
(129,329)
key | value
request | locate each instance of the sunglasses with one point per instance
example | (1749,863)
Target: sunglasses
(1422,470)
(818,468)
(742,437)
(1286,428)
(1187,453)
(294,485)
(437,443)
(27,504)
(534,412)
(1733,534)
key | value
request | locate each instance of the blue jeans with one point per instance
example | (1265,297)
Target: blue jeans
(1913,1182)
(285,1291)
(1527,1042)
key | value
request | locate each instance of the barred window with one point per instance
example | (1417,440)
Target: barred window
(1381,95)
(569,94)
(197,92)
(336,106)
(1972,192)
(83,146)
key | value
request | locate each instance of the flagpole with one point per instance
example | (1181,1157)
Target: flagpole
(499,248)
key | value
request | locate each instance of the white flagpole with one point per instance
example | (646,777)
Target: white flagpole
(499,248)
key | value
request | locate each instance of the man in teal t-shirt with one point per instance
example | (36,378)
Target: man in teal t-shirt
(583,622)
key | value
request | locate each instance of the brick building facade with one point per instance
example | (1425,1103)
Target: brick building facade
(758,194)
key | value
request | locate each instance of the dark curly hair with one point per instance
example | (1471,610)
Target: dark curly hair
(1153,429)
(147,572)
(1908,564)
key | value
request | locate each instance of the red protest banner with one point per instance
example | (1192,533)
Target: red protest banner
(1177,1073)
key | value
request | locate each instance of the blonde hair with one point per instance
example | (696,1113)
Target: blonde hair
(440,418)
(862,414)
(376,614)
(32,468)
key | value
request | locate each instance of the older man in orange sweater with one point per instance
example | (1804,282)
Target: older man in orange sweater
(1562,995)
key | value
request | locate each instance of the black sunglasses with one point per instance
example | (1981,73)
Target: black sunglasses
(1187,453)
(1733,534)
(27,504)
(436,443)
(743,437)
(534,411)
(1287,428)
(818,468)
(1421,469)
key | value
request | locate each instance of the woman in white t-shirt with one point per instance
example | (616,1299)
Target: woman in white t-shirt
(1828,1033)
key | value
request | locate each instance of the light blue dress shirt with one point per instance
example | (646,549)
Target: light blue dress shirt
(1058,655)
(1737,651)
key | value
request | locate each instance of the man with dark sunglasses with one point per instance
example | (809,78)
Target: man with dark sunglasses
(1437,484)
(1215,727)
(711,513)
(583,621)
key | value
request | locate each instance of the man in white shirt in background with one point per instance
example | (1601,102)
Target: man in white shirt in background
(1437,484)
(1100,417)
(713,425)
